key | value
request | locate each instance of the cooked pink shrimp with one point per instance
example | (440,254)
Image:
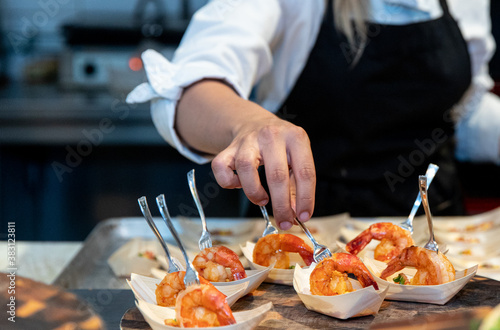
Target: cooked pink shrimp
(329,277)
(172,284)
(393,240)
(219,264)
(202,306)
(275,247)
(432,268)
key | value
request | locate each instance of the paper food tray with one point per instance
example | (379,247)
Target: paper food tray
(254,278)
(277,276)
(363,301)
(431,294)
(144,289)
(468,224)
(126,259)
(155,316)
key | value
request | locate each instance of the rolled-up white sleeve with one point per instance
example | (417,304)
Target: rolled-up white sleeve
(478,133)
(226,40)
(478,114)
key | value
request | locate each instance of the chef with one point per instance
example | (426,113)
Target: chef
(343,103)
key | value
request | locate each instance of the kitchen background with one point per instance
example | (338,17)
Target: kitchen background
(72,153)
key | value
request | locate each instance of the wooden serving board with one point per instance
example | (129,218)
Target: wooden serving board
(290,313)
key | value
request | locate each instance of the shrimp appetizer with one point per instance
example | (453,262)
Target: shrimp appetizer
(393,239)
(219,264)
(433,268)
(275,247)
(169,288)
(202,306)
(329,277)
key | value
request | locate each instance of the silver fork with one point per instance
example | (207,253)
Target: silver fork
(408,223)
(143,204)
(191,276)
(320,251)
(270,229)
(205,239)
(422,184)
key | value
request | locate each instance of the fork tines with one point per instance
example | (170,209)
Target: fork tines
(191,277)
(323,254)
(320,251)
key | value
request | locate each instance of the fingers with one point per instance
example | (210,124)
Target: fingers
(244,160)
(247,163)
(284,150)
(274,152)
(304,173)
(223,168)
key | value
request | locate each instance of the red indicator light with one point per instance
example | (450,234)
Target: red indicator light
(135,64)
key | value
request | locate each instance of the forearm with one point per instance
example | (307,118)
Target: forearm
(210,113)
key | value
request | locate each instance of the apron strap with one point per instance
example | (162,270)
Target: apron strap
(444,6)
(328,16)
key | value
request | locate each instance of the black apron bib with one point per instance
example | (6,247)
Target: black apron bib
(375,126)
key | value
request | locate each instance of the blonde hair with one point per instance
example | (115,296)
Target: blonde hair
(349,19)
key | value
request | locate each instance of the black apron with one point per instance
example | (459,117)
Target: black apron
(375,126)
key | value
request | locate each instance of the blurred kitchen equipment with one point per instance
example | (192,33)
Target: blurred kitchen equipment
(3,53)
(102,50)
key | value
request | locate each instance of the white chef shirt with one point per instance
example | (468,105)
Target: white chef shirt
(263,45)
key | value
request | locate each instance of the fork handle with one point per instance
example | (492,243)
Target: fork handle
(430,173)
(197,201)
(423,191)
(160,200)
(143,203)
(306,231)
(266,216)
(264,213)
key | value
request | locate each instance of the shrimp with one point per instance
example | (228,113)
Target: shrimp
(219,264)
(275,247)
(393,240)
(202,306)
(432,268)
(329,277)
(167,291)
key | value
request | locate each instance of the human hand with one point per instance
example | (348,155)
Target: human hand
(284,149)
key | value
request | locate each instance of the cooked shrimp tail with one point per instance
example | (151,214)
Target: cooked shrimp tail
(203,306)
(292,243)
(393,240)
(219,264)
(169,288)
(329,277)
(275,248)
(432,268)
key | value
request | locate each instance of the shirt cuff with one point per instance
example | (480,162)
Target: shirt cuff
(478,133)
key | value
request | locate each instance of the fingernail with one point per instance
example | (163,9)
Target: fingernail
(304,216)
(285,225)
(263,202)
